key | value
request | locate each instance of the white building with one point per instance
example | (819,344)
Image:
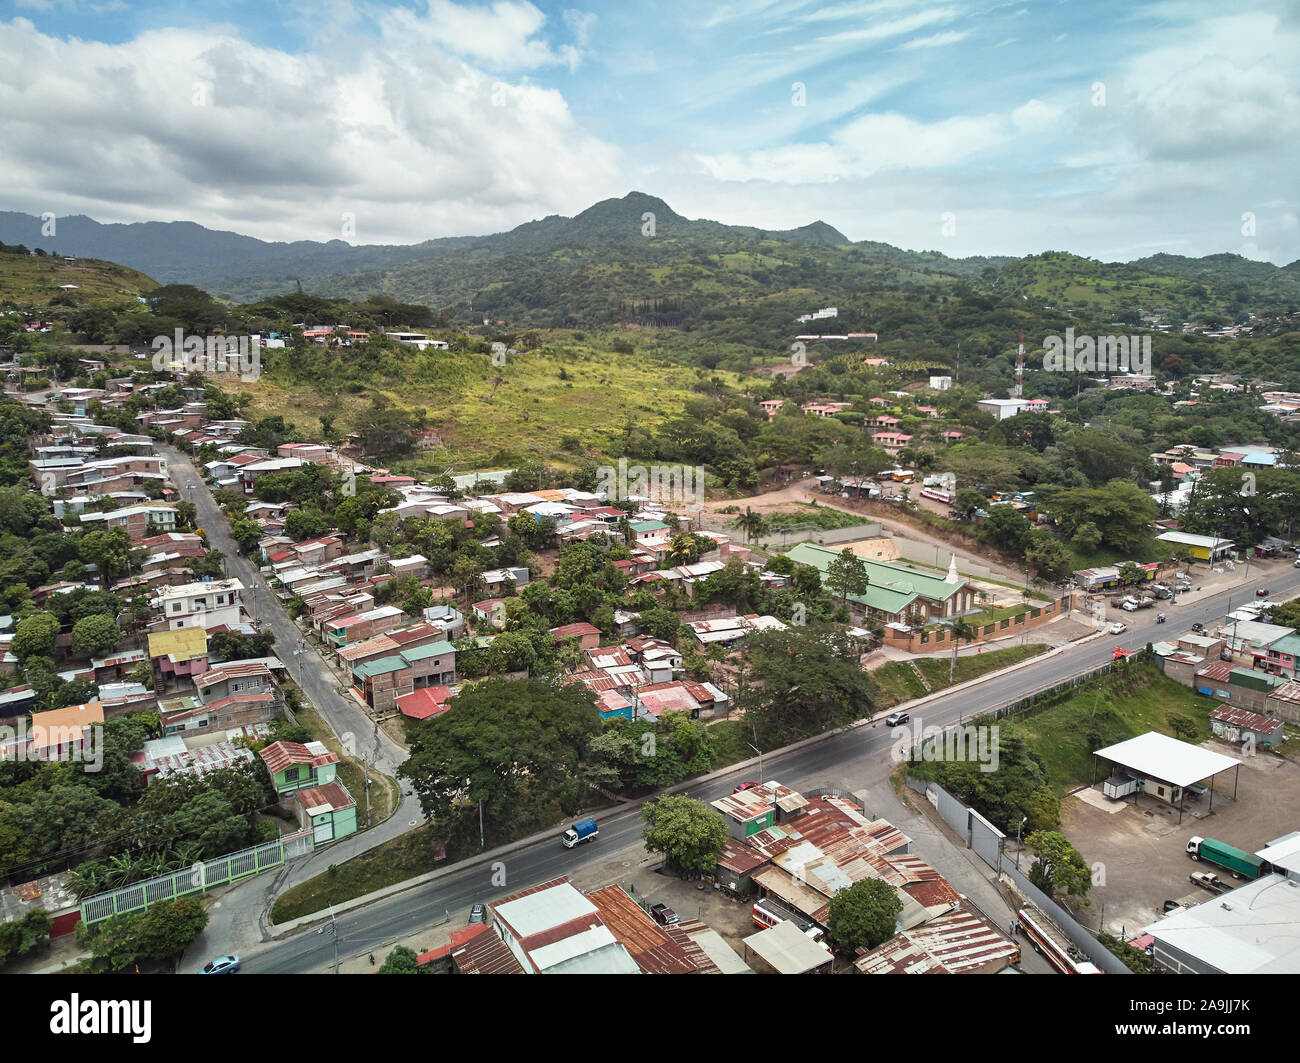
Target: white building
(1001,409)
(206,604)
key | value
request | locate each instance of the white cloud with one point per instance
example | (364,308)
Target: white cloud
(504,35)
(937,40)
(414,145)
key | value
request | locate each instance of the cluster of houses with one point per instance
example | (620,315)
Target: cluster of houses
(787,851)
(1250,667)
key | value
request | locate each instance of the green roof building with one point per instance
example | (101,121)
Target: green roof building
(899,594)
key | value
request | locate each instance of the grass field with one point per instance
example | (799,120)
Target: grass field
(1127,703)
(896,682)
(549,403)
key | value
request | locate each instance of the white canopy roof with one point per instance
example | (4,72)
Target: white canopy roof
(1158,756)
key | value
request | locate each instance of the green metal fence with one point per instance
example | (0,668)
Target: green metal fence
(202,876)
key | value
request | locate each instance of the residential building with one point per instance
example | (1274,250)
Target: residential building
(206,604)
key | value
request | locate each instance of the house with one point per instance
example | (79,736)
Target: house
(1001,409)
(381,681)
(179,654)
(898,593)
(139,521)
(234,678)
(785,949)
(60,734)
(425,702)
(496,580)
(364,625)
(447,618)
(587,635)
(329,811)
(1237,934)
(205,603)
(294,765)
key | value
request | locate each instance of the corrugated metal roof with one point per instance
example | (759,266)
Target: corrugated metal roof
(654,951)
(1243,718)
(280,755)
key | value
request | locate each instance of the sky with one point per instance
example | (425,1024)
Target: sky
(1110,128)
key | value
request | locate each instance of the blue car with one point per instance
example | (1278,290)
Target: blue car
(222,965)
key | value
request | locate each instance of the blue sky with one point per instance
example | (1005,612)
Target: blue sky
(1112,129)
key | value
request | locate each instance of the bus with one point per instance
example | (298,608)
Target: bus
(769,911)
(938,495)
(1050,940)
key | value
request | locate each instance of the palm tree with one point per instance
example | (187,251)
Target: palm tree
(750,523)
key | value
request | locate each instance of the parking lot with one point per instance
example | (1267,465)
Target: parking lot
(1138,852)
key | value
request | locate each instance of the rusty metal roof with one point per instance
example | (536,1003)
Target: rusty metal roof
(485,954)
(956,943)
(280,755)
(1242,718)
(654,951)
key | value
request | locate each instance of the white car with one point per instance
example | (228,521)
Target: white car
(1117,628)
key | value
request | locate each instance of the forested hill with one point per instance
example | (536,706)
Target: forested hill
(636,261)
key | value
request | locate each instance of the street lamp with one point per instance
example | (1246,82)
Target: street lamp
(761,778)
(1023,820)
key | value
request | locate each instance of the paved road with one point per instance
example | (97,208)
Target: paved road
(850,761)
(237,917)
(345,716)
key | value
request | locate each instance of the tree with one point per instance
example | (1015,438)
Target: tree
(1045,555)
(750,523)
(34,637)
(514,745)
(687,832)
(109,551)
(1086,537)
(400,961)
(1005,529)
(801,682)
(1059,869)
(94,636)
(864,915)
(847,574)
(24,936)
(968,500)
(169,928)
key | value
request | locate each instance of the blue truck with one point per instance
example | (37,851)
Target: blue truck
(582,831)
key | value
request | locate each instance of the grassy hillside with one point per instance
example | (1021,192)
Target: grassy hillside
(32,282)
(568,397)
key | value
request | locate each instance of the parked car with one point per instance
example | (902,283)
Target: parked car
(744,786)
(894,719)
(1198,628)
(1210,882)
(478,914)
(663,915)
(222,965)
(1172,906)
(1117,628)
(1262,592)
